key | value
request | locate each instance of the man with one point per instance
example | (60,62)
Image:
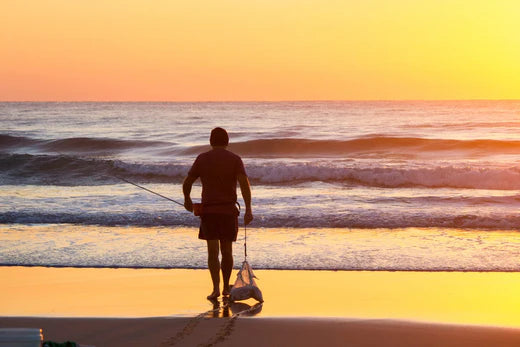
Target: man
(219,171)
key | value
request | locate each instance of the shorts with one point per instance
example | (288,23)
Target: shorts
(222,227)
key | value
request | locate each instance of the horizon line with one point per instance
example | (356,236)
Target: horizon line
(247,101)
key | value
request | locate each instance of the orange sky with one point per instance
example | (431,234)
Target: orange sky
(259,50)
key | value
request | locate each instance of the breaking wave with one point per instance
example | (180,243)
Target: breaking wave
(66,170)
(393,177)
(71,171)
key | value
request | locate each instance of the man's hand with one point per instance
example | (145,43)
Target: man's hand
(248,217)
(188,204)
(246,194)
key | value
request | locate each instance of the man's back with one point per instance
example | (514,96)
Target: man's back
(218,170)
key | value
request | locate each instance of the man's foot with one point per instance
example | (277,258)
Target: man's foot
(215,294)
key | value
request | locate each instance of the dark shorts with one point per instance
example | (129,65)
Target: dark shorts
(218,227)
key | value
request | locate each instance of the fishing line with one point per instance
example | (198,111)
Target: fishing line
(132,183)
(148,190)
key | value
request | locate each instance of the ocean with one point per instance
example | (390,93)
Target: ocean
(337,185)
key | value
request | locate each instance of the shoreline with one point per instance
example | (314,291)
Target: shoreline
(235,268)
(261,269)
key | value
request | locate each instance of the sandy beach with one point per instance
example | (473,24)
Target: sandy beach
(127,307)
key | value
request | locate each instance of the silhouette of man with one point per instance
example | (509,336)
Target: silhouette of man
(219,170)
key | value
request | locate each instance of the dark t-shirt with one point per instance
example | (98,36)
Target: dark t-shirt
(218,170)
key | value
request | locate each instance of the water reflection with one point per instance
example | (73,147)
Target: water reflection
(246,310)
(227,309)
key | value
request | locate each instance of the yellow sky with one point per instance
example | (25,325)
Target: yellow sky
(259,49)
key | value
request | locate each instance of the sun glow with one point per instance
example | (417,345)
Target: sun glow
(269,50)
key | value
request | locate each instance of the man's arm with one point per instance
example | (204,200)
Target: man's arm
(186,189)
(245,188)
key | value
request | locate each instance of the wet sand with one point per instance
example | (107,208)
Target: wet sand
(124,307)
(264,332)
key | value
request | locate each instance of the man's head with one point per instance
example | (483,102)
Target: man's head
(219,137)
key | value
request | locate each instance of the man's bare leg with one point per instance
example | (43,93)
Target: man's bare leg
(226,247)
(214,268)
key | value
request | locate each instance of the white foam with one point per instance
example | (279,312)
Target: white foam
(300,249)
(479,177)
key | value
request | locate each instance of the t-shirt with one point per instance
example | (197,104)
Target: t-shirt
(218,170)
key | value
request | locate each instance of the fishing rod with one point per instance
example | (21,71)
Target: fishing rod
(148,190)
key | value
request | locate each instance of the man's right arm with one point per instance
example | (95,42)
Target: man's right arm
(245,188)
(186,189)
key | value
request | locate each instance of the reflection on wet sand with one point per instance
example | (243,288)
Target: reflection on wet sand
(226,308)
(243,309)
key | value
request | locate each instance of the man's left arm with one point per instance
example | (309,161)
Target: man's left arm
(245,188)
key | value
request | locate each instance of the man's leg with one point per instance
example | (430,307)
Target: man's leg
(214,267)
(226,247)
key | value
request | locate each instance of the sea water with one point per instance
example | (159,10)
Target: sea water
(401,185)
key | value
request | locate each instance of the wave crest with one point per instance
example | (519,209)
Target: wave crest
(76,144)
(379,145)
(66,170)
(375,146)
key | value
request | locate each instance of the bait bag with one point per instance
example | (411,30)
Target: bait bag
(245,286)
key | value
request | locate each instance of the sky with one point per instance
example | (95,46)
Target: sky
(209,50)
